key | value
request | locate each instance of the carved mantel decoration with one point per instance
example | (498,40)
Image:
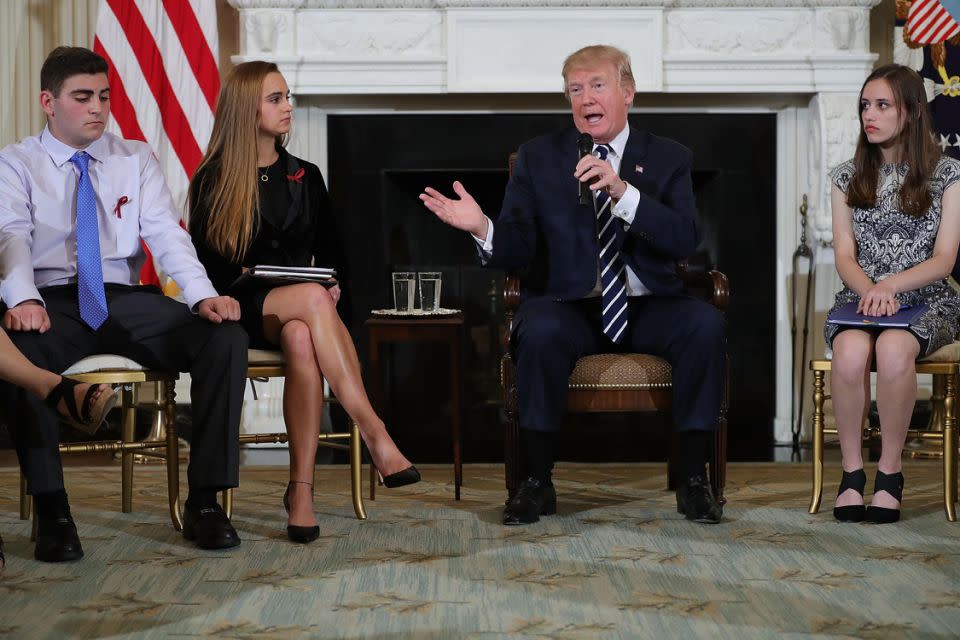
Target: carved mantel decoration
(362,47)
(802,59)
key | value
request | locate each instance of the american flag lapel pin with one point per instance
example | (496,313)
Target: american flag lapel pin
(638,169)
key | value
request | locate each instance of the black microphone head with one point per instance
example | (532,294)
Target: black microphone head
(585,144)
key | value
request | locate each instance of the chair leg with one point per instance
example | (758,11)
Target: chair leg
(511,436)
(818,398)
(356,468)
(672,455)
(935,422)
(24,499)
(950,447)
(718,479)
(374,479)
(173,454)
(226,499)
(35,524)
(718,466)
(129,412)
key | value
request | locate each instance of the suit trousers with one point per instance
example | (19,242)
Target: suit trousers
(159,333)
(550,336)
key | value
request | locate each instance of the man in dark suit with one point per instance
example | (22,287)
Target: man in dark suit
(602,273)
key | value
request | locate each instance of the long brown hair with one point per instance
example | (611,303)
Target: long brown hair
(917,147)
(229,167)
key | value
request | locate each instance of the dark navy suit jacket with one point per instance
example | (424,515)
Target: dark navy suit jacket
(543,228)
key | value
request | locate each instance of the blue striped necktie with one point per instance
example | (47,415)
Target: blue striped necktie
(90,294)
(612,269)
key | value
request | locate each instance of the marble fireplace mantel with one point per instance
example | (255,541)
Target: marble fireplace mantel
(803,60)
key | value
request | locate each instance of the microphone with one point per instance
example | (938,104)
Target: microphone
(585,148)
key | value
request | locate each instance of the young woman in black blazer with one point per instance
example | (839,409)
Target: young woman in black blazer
(251,202)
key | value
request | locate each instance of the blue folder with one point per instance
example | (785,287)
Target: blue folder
(905,317)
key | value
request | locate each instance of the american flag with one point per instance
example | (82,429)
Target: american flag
(930,21)
(163,81)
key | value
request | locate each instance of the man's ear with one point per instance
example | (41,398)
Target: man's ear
(46,102)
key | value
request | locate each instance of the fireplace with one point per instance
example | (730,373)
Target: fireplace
(385,227)
(796,65)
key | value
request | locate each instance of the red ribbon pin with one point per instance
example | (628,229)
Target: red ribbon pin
(122,201)
(297,177)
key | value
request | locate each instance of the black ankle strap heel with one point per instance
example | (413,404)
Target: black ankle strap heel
(892,483)
(856,480)
(286,494)
(296,533)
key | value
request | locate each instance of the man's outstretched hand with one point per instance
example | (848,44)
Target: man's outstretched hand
(464,214)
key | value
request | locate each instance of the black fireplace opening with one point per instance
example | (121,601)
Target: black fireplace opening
(379,164)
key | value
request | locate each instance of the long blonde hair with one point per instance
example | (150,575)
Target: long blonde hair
(229,167)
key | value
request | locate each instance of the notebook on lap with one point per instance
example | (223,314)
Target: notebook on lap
(847,315)
(280,275)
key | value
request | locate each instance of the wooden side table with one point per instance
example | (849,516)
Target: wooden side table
(447,329)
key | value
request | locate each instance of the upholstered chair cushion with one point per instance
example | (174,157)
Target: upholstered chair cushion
(947,353)
(264,357)
(620,371)
(103,362)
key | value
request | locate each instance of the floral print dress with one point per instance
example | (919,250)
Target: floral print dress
(890,241)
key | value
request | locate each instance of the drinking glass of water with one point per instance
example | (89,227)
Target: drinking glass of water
(429,282)
(403,283)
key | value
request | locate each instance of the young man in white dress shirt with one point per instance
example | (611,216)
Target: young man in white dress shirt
(52,187)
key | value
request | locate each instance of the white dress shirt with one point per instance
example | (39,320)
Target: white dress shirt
(38,239)
(625,208)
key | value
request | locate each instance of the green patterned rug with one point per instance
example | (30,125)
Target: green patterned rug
(616,562)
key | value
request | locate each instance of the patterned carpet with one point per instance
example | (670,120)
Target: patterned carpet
(616,562)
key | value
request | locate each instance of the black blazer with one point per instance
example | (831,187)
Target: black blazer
(307,237)
(543,227)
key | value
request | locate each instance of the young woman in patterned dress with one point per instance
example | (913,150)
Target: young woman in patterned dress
(896,228)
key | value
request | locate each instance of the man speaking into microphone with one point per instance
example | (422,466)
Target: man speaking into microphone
(601,213)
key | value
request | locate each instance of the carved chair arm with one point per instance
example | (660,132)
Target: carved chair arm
(714,282)
(511,302)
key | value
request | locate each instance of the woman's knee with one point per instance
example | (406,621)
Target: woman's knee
(851,357)
(303,301)
(296,341)
(318,299)
(896,356)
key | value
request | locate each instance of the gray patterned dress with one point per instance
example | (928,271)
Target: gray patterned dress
(890,241)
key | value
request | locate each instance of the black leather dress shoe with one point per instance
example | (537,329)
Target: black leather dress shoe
(57,539)
(534,498)
(209,527)
(696,502)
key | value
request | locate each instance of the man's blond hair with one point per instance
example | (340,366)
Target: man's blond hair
(594,56)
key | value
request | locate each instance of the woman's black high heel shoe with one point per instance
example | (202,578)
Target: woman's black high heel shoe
(410,475)
(892,483)
(297,533)
(856,480)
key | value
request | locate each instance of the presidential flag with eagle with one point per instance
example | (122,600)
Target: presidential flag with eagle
(931,32)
